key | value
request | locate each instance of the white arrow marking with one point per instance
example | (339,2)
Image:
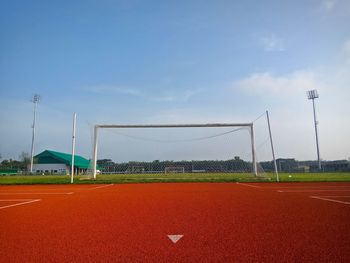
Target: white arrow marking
(175,238)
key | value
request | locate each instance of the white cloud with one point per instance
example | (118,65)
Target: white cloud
(346,50)
(272,43)
(109,90)
(334,7)
(283,85)
(199,115)
(164,96)
(174,96)
(329,5)
(188,94)
(292,117)
(340,74)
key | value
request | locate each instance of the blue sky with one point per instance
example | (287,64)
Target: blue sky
(119,61)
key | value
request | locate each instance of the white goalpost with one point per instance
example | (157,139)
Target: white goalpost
(248,126)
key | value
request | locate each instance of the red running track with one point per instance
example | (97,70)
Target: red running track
(225,222)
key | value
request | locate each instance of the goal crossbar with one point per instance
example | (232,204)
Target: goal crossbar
(176,125)
(208,125)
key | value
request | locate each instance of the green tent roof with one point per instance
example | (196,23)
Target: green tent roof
(58,157)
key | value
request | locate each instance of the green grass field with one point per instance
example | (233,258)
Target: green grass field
(167,178)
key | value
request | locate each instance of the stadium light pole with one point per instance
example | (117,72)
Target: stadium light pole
(73,147)
(312,95)
(36,98)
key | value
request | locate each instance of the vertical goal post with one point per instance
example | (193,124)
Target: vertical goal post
(250,126)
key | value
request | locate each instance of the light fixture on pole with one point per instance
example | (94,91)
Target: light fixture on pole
(312,95)
(36,98)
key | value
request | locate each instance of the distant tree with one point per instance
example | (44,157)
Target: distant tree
(24,158)
(12,164)
(20,164)
(5,164)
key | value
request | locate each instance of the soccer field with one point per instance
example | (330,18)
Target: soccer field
(178,177)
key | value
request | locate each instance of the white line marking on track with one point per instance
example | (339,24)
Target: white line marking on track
(310,191)
(34,193)
(13,200)
(249,185)
(21,203)
(175,238)
(331,200)
(312,187)
(46,189)
(336,196)
(98,187)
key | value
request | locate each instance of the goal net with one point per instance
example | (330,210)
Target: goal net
(219,148)
(137,169)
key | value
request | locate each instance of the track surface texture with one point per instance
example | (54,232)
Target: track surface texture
(220,222)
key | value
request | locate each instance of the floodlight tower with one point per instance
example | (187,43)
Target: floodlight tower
(312,95)
(36,98)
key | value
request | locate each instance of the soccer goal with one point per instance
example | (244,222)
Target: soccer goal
(177,148)
(137,169)
(174,169)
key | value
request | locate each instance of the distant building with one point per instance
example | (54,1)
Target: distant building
(336,166)
(51,162)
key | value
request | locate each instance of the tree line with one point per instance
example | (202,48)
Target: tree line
(21,164)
